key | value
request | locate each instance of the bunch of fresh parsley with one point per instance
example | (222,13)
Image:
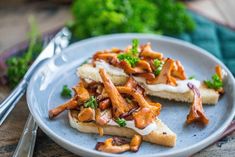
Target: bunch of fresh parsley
(98,17)
(18,66)
(173,17)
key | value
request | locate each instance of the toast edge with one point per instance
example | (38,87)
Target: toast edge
(162,136)
(209,96)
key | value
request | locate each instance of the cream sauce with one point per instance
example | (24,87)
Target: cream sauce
(181,87)
(109,68)
(131,124)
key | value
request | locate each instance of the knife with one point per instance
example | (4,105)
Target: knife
(59,42)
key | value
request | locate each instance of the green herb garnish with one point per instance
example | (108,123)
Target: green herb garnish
(215,83)
(157,71)
(128,58)
(121,122)
(18,66)
(66,92)
(191,77)
(158,64)
(132,56)
(135,45)
(92,103)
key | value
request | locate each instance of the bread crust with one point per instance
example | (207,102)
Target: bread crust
(161,136)
(209,96)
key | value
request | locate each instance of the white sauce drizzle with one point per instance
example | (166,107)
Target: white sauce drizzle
(181,87)
(131,124)
(109,68)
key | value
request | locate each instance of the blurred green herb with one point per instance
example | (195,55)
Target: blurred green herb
(173,18)
(91,103)
(121,122)
(191,77)
(97,17)
(215,83)
(66,92)
(18,66)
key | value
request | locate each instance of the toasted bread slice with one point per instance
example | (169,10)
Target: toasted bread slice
(209,96)
(161,136)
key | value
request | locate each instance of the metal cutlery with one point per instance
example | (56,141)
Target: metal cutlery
(60,41)
(27,140)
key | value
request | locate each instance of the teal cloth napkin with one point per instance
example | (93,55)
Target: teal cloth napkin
(216,39)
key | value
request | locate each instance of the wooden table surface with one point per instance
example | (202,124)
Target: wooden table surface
(13,28)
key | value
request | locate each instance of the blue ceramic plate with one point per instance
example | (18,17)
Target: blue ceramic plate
(44,93)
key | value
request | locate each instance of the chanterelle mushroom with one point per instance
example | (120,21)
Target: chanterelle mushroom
(143,117)
(146,51)
(135,142)
(178,70)
(86,115)
(196,111)
(119,105)
(119,145)
(81,95)
(139,99)
(110,146)
(165,75)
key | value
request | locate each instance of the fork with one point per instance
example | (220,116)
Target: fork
(60,41)
(27,140)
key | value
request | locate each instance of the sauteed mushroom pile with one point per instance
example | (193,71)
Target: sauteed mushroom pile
(144,62)
(102,102)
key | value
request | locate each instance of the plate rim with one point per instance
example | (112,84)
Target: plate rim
(192,149)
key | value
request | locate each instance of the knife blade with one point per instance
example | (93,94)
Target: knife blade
(59,42)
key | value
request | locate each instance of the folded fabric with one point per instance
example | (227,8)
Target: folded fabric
(216,39)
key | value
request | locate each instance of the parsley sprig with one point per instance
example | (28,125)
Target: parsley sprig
(132,56)
(215,83)
(92,103)
(128,58)
(66,92)
(18,66)
(158,64)
(135,45)
(121,122)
